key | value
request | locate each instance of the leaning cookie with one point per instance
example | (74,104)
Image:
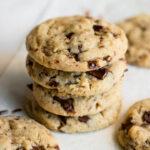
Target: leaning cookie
(20,133)
(76,83)
(137,30)
(134,133)
(76,43)
(71,105)
(72,124)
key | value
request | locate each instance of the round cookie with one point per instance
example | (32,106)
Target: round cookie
(134,133)
(137,30)
(71,105)
(76,83)
(76,43)
(19,133)
(72,124)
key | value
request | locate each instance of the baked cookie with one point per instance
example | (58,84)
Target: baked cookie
(76,83)
(137,30)
(76,43)
(134,133)
(72,124)
(19,133)
(71,105)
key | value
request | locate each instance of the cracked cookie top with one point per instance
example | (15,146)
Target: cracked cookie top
(76,43)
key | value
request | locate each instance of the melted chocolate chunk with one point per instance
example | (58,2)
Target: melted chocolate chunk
(76,56)
(29,63)
(93,64)
(83,119)
(2,112)
(98,28)
(53,83)
(20,148)
(107,58)
(69,35)
(30,86)
(37,148)
(100,73)
(16,110)
(129,123)
(63,119)
(56,147)
(146,117)
(67,104)
(77,76)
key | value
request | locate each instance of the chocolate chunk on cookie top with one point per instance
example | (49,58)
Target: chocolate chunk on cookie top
(76,43)
(20,133)
(77,83)
(134,133)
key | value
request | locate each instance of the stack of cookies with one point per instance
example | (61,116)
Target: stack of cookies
(77,65)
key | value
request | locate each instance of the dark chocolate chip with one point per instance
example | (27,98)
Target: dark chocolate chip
(76,56)
(67,104)
(63,119)
(69,49)
(16,110)
(30,86)
(2,112)
(146,117)
(96,21)
(29,63)
(100,73)
(147,142)
(115,35)
(129,123)
(98,28)
(53,77)
(37,148)
(107,58)
(57,147)
(83,119)
(80,47)
(69,35)
(77,76)
(53,83)
(92,64)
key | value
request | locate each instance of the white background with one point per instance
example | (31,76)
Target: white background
(17,17)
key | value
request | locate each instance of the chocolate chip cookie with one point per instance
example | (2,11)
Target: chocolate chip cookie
(137,30)
(76,43)
(134,133)
(77,83)
(72,124)
(19,133)
(71,105)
